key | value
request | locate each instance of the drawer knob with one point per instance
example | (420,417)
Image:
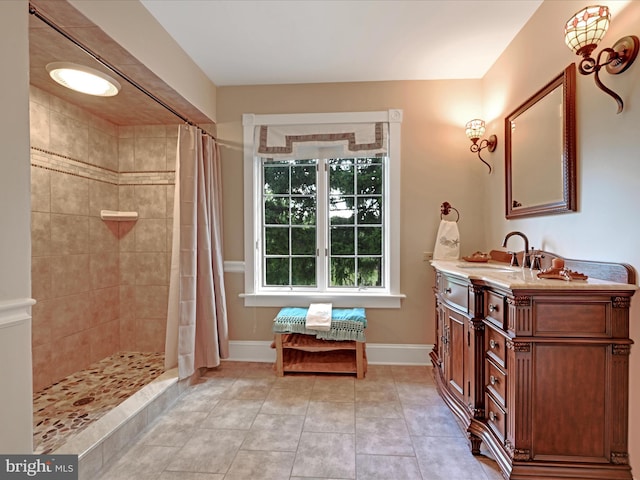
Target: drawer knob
(493,343)
(493,380)
(493,308)
(493,416)
(447,290)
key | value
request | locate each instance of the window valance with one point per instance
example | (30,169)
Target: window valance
(322,140)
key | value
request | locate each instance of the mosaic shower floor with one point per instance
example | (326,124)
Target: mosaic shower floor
(70,405)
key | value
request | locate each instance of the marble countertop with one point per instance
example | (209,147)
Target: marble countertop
(512,278)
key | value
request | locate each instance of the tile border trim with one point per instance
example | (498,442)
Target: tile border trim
(54,162)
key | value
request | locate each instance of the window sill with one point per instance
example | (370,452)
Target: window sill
(341,300)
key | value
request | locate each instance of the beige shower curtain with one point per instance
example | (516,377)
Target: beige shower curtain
(197,332)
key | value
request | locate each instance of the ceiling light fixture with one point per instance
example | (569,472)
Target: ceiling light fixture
(582,34)
(83,79)
(475,129)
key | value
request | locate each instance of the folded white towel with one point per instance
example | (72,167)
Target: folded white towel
(319,317)
(447,245)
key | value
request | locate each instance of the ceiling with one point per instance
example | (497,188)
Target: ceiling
(130,106)
(252,42)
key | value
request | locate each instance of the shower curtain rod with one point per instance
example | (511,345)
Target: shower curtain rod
(34,11)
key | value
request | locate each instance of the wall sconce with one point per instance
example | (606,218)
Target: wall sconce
(474,130)
(583,33)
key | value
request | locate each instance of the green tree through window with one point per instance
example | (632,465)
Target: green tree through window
(352,221)
(289,222)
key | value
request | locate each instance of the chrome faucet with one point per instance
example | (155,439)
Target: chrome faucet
(526,260)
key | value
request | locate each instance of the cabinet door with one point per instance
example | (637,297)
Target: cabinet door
(441,332)
(576,397)
(456,358)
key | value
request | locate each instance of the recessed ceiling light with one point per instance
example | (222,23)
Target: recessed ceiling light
(83,79)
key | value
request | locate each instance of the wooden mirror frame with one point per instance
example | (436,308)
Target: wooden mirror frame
(566,79)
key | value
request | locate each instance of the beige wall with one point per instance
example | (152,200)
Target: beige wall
(14,138)
(101,287)
(16,434)
(436,167)
(606,226)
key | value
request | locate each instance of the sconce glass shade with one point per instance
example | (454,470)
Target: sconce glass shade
(83,79)
(584,31)
(475,129)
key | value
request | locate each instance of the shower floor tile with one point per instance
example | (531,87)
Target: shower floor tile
(70,405)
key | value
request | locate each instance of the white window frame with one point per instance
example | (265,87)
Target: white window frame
(254,295)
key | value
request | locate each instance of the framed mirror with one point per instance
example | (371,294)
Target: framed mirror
(540,151)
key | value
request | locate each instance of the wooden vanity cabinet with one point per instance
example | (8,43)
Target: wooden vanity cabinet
(456,342)
(537,373)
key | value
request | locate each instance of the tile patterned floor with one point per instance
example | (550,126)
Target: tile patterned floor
(70,405)
(241,422)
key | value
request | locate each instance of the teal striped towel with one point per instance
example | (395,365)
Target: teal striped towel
(346,323)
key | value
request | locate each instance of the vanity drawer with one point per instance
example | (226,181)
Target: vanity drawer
(496,417)
(454,293)
(568,319)
(495,345)
(496,382)
(495,306)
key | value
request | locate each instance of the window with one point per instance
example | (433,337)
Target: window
(294,244)
(322,210)
(289,225)
(356,222)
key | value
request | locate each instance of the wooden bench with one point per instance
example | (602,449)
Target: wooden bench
(341,349)
(297,352)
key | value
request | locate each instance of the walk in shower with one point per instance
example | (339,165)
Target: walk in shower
(101,285)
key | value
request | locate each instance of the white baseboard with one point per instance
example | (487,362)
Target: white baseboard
(251,351)
(398,354)
(377,353)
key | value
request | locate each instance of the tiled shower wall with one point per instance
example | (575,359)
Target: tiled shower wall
(147,154)
(100,287)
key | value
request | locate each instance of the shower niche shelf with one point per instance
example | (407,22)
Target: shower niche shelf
(117,216)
